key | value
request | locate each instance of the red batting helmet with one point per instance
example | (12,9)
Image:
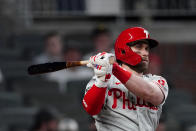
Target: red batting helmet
(123,52)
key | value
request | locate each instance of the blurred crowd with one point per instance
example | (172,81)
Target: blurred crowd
(61,83)
(56,50)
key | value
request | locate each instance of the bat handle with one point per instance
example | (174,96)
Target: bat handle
(76,63)
(85,62)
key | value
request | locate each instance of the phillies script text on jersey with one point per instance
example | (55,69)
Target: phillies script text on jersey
(128,103)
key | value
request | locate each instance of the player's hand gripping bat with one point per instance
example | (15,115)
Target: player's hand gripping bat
(55,66)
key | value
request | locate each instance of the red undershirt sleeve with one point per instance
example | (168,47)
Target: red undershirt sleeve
(93,100)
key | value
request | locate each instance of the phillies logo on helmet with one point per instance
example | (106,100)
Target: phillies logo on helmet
(147,33)
(123,52)
(130,36)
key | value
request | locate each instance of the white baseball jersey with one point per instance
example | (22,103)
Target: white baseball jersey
(124,111)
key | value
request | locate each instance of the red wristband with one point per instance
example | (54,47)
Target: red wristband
(120,73)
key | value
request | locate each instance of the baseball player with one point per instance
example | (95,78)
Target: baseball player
(121,96)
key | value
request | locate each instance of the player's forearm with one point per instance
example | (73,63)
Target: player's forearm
(144,90)
(138,86)
(94,99)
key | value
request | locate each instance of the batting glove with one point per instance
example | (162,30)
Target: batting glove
(102,68)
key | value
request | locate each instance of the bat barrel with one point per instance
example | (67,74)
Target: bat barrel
(51,67)
(46,68)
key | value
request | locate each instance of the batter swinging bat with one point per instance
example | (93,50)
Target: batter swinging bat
(55,66)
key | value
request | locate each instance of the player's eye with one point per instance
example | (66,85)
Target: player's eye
(147,48)
(138,46)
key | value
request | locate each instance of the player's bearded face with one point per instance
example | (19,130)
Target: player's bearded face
(142,66)
(142,49)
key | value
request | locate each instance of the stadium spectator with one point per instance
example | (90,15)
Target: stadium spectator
(75,73)
(53,49)
(45,120)
(102,41)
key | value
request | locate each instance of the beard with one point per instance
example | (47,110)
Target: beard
(142,67)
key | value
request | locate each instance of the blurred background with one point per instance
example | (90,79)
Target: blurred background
(38,31)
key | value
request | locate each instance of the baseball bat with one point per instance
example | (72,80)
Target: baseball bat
(56,66)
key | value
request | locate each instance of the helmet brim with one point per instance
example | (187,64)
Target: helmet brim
(152,43)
